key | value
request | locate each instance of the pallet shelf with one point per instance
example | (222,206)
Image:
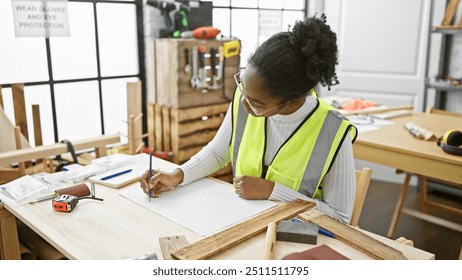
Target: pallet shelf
(184,132)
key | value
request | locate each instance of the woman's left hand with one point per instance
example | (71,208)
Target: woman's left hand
(249,187)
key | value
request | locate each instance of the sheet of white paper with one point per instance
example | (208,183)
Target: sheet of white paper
(204,206)
(366,128)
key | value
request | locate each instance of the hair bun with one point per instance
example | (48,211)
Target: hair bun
(314,39)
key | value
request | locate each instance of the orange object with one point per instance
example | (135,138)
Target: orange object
(357,104)
(206,32)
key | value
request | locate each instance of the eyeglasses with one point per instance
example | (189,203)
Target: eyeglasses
(237,79)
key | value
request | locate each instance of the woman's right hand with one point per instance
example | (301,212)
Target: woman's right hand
(161,181)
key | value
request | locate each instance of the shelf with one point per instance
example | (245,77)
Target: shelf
(444,88)
(448,30)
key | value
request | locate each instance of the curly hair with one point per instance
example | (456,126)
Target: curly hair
(292,63)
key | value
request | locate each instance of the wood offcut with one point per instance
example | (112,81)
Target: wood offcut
(171,244)
(353,237)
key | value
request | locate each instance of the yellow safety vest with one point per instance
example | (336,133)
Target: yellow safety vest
(303,160)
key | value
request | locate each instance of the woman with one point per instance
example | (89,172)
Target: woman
(282,141)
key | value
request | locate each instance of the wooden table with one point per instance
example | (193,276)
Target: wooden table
(394,146)
(121,229)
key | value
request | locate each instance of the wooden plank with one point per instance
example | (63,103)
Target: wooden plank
(170,244)
(270,241)
(174,136)
(21,164)
(432,219)
(55,149)
(9,241)
(450,12)
(158,128)
(151,126)
(199,112)
(166,129)
(134,109)
(349,235)
(20,108)
(182,156)
(186,128)
(201,138)
(37,125)
(372,110)
(1,97)
(227,238)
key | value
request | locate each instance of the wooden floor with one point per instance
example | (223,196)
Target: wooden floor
(378,209)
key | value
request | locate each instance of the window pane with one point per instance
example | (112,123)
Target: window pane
(75,56)
(117,39)
(115,106)
(294,4)
(244,3)
(221,20)
(40,95)
(270,4)
(270,23)
(245,27)
(220,2)
(77,110)
(21,59)
(289,18)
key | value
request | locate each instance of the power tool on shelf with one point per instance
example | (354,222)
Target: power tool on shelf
(180,9)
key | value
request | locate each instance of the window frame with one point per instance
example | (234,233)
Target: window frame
(51,82)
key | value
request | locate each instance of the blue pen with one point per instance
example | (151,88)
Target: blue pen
(326,232)
(116,174)
(320,230)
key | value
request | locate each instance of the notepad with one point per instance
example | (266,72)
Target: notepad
(113,161)
(121,180)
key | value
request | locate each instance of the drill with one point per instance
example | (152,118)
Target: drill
(180,17)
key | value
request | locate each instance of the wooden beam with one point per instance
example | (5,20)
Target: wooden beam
(450,12)
(151,126)
(170,244)
(20,108)
(356,239)
(1,97)
(9,241)
(432,219)
(134,109)
(56,149)
(227,238)
(37,125)
(17,137)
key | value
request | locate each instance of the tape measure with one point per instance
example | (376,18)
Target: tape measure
(65,203)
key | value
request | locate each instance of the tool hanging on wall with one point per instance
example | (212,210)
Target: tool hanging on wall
(194,77)
(202,77)
(213,57)
(187,64)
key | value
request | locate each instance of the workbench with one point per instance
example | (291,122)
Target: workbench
(394,146)
(118,228)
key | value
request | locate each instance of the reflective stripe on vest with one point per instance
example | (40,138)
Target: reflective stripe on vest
(238,126)
(303,160)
